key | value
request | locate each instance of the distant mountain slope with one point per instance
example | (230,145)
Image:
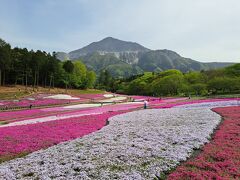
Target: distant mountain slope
(62,56)
(128,51)
(114,65)
(122,58)
(161,60)
(215,65)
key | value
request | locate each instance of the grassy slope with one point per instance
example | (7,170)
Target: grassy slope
(20,91)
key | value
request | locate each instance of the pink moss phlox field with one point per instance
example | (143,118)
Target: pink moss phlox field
(112,108)
(14,116)
(37,102)
(92,96)
(41,100)
(150,98)
(171,104)
(154,102)
(157,101)
(28,138)
(169,100)
(101,110)
(220,159)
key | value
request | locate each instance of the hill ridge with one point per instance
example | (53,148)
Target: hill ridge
(125,58)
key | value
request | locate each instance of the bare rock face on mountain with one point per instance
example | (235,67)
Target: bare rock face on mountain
(122,58)
(125,51)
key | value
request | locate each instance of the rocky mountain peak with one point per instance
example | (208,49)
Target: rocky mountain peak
(124,58)
(125,50)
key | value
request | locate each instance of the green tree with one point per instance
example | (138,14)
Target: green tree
(68,66)
(222,85)
(168,85)
(91,79)
(35,64)
(199,88)
(233,71)
(105,79)
(4,60)
(79,75)
(194,77)
(170,72)
(52,69)
(137,86)
(25,60)
(140,85)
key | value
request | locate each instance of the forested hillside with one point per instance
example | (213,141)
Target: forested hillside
(174,82)
(20,66)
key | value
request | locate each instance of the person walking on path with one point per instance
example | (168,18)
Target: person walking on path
(145,104)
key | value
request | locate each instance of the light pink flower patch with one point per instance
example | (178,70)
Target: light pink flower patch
(24,115)
(166,105)
(25,103)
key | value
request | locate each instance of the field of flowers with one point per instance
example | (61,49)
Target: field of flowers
(38,100)
(79,109)
(18,140)
(140,144)
(8,118)
(197,103)
(219,159)
(137,145)
(26,131)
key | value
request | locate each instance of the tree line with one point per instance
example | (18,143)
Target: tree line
(30,68)
(174,82)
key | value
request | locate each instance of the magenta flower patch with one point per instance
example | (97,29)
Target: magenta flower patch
(18,140)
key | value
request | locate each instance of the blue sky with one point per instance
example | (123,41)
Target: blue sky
(206,30)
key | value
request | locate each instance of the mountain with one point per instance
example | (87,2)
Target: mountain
(215,65)
(117,67)
(127,51)
(62,56)
(123,59)
(161,60)
(109,44)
